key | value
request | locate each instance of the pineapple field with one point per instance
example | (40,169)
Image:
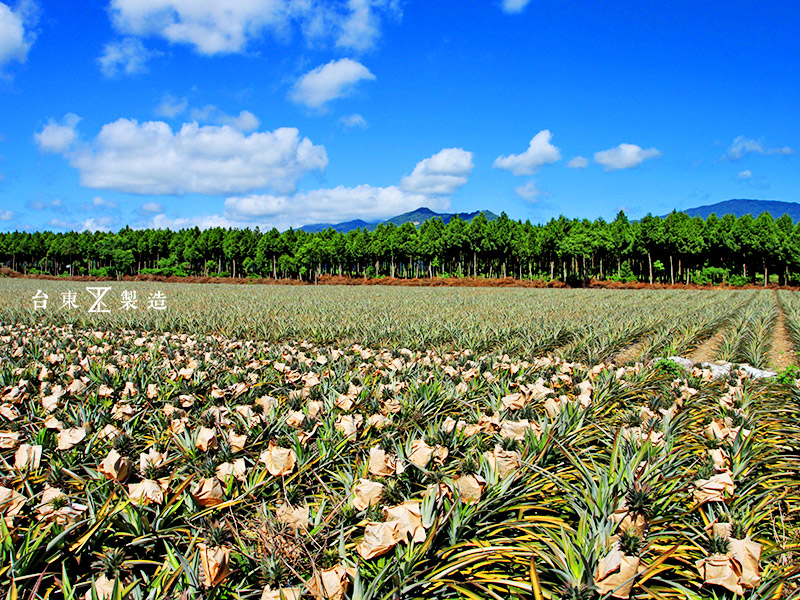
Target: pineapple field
(265,442)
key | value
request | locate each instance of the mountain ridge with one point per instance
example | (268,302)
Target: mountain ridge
(417,217)
(735,206)
(744,206)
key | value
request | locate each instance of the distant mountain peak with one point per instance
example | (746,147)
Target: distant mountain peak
(416,217)
(746,206)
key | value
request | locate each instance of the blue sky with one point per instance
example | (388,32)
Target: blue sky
(174,113)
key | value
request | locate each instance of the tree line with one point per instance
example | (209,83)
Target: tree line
(673,249)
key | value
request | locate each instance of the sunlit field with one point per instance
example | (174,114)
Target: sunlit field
(272,442)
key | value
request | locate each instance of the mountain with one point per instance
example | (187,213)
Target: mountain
(417,217)
(739,207)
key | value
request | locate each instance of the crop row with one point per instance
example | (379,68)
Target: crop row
(150,465)
(586,325)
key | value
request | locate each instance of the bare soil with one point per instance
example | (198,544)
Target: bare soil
(707,351)
(393,281)
(628,354)
(782,353)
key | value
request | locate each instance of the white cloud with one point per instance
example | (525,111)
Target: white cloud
(90,224)
(98,224)
(540,152)
(351,121)
(440,175)
(100,202)
(624,156)
(211,26)
(514,6)
(16,37)
(124,57)
(529,191)
(149,158)
(217,27)
(60,224)
(578,162)
(245,121)
(430,184)
(745,175)
(152,207)
(170,107)
(360,29)
(56,203)
(57,137)
(162,221)
(328,206)
(328,82)
(6,215)
(742,145)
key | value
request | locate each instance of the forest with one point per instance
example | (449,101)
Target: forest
(676,248)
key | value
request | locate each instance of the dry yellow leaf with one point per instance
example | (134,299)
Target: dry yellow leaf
(215,561)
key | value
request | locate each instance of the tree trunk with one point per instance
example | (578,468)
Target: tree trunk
(650,264)
(671,271)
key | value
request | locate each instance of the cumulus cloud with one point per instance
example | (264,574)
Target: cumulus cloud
(359,29)
(529,191)
(514,6)
(124,57)
(328,82)
(98,224)
(16,37)
(352,121)
(430,184)
(149,158)
(217,27)
(540,152)
(624,156)
(745,174)
(743,145)
(244,121)
(579,162)
(58,137)
(328,205)
(6,215)
(170,107)
(441,174)
(90,224)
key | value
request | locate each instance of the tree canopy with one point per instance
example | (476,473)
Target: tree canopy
(677,248)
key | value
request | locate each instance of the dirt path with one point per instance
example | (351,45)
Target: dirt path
(707,351)
(782,353)
(628,354)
